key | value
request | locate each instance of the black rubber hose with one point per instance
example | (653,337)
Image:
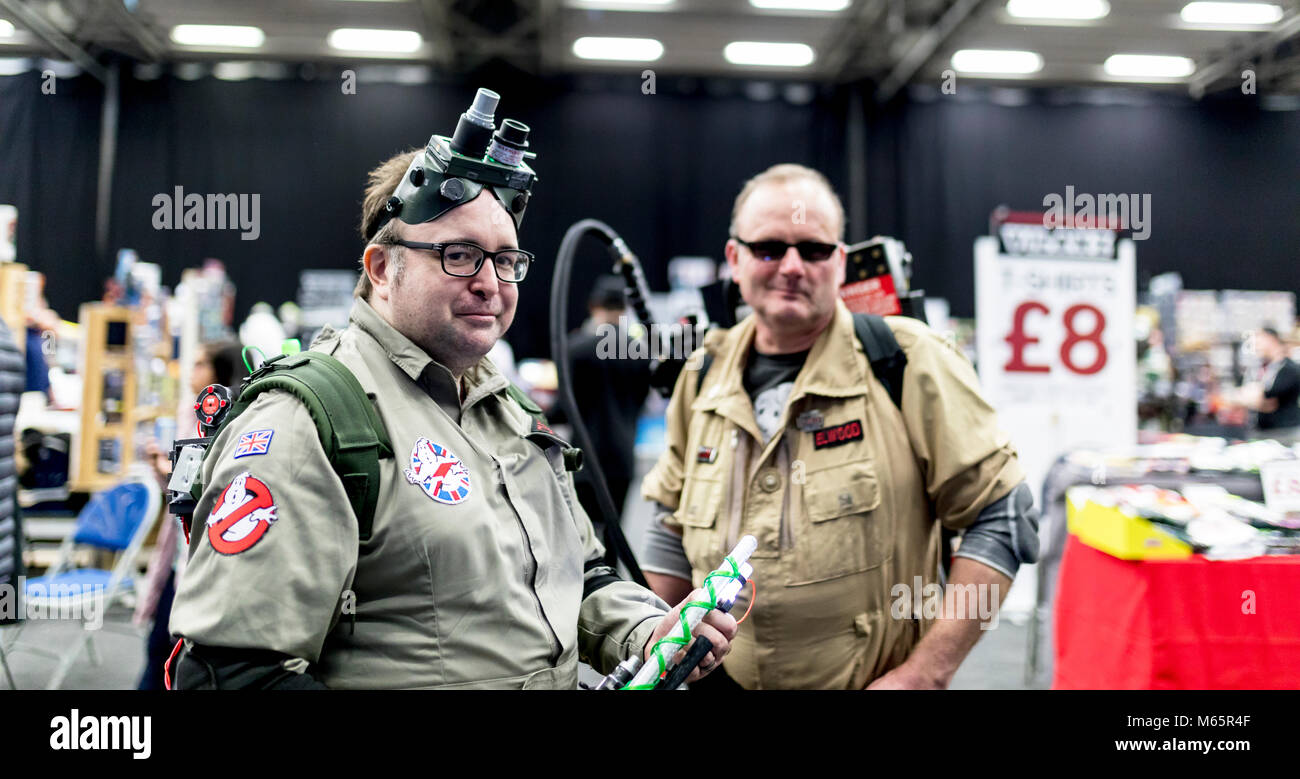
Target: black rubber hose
(615,542)
(676,675)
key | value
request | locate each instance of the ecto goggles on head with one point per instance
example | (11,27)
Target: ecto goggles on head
(453,171)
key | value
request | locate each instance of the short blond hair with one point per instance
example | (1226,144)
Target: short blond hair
(380,185)
(785,173)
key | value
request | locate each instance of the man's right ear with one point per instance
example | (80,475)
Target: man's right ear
(732,252)
(376,264)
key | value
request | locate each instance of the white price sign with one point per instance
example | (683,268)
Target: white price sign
(1281,480)
(1056,352)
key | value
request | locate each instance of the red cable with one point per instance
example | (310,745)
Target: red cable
(167,666)
(752,598)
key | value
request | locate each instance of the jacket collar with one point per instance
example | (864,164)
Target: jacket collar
(834,368)
(481,380)
(836,365)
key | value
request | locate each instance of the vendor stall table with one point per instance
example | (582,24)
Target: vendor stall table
(1061,477)
(1176,624)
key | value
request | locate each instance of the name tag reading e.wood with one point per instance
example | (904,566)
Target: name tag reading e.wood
(837,434)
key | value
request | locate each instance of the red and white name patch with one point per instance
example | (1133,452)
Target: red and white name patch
(839,434)
(242,515)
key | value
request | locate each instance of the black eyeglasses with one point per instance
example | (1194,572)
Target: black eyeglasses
(465,259)
(773,251)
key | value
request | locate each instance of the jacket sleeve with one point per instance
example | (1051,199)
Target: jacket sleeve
(273,542)
(968,463)
(617,616)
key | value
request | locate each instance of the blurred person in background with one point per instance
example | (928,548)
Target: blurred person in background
(218,362)
(40,321)
(1155,381)
(1201,390)
(610,392)
(1278,405)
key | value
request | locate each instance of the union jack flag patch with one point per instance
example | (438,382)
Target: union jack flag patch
(255,442)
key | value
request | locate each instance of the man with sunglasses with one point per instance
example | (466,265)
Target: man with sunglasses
(789,437)
(481,569)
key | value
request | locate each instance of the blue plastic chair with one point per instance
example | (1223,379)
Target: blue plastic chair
(115,520)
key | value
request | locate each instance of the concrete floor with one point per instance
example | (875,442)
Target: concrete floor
(996,663)
(118,644)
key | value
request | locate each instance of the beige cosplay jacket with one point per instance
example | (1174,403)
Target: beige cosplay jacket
(843,500)
(474,575)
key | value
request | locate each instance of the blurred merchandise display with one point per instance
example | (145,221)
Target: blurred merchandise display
(1142,521)
(1198,370)
(1180,453)
(324,298)
(128,370)
(1172,547)
(202,311)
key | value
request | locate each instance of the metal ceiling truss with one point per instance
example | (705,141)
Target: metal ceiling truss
(925,47)
(1225,70)
(52,36)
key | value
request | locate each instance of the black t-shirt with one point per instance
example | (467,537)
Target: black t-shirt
(1286,389)
(768,380)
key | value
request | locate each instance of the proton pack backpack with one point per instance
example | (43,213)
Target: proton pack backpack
(349,428)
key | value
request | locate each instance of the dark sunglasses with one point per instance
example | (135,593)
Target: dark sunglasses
(773,251)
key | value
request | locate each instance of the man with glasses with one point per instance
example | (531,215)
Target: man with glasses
(787,436)
(481,569)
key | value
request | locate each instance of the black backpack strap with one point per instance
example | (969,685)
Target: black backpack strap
(705,363)
(888,361)
(350,430)
(883,352)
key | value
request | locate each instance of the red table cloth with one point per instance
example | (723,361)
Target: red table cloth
(1176,624)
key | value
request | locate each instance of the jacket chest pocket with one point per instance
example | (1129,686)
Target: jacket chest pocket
(700,514)
(841,529)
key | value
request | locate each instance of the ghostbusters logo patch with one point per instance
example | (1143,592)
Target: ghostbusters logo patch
(438,472)
(243,513)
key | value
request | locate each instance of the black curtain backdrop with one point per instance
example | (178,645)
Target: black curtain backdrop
(1223,175)
(662,169)
(49,164)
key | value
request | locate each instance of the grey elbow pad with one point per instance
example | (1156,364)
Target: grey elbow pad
(1005,534)
(663,549)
